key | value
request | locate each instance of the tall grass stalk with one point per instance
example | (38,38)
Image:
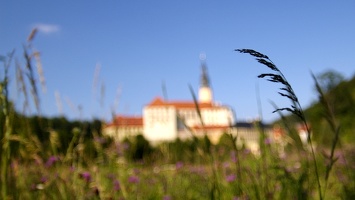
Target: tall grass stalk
(286,91)
(214,190)
(293,134)
(234,140)
(31,76)
(335,128)
(5,139)
(21,86)
(262,139)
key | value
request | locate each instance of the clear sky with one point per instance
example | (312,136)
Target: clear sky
(135,46)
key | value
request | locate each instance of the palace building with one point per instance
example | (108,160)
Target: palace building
(124,126)
(167,120)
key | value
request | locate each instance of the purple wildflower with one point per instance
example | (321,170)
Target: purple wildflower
(179,165)
(133,179)
(86,176)
(116,185)
(230,178)
(267,141)
(100,140)
(51,160)
(247,151)
(72,169)
(233,156)
(43,179)
(166,197)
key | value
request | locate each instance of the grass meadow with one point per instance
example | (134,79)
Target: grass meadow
(37,162)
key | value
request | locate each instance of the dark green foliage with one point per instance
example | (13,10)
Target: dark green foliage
(329,80)
(187,151)
(341,100)
(182,151)
(140,148)
(40,128)
(225,141)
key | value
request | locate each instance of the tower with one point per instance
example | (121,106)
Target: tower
(205,91)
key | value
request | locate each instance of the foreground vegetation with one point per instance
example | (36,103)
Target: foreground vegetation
(54,158)
(100,168)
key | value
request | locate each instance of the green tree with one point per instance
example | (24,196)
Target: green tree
(329,79)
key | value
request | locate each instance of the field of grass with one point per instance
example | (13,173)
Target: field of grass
(238,175)
(87,165)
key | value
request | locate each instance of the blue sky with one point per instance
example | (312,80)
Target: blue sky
(134,46)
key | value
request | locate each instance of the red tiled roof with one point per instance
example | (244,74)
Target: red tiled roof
(179,104)
(127,121)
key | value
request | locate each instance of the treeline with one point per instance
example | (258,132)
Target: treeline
(46,136)
(340,94)
(57,136)
(191,151)
(342,102)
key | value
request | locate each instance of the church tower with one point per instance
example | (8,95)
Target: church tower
(205,91)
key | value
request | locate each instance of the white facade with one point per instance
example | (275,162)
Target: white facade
(159,123)
(166,121)
(169,120)
(120,133)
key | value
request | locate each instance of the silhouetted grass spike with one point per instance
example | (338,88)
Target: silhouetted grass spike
(293,98)
(267,63)
(253,53)
(286,89)
(277,77)
(264,75)
(282,109)
(274,78)
(295,108)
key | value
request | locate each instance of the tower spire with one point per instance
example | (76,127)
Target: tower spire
(205,82)
(205,92)
(204,77)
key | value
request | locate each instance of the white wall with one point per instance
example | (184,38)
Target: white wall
(159,123)
(119,134)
